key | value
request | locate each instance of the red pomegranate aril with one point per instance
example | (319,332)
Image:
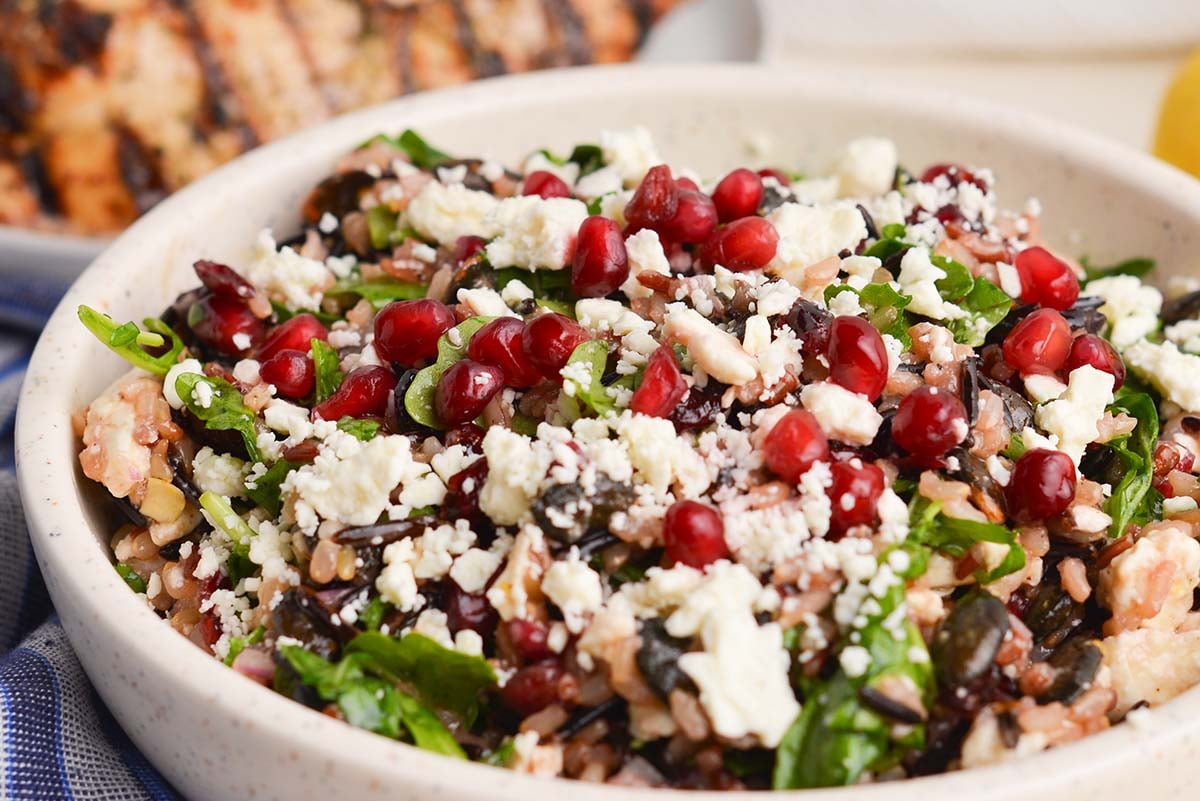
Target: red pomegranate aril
(854,493)
(794,444)
(363,393)
(694,534)
(695,218)
(294,334)
(407,331)
(654,201)
(1038,344)
(545,184)
(291,372)
(662,385)
(858,359)
(738,195)
(1095,350)
(225,324)
(1046,280)
(954,173)
(549,340)
(600,264)
(464,389)
(929,421)
(683,182)
(223,280)
(779,175)
(533,687)
(1042,485)
(499,343)
(467,246)
(469,435)
(531,639)
(466,610)
(745,244)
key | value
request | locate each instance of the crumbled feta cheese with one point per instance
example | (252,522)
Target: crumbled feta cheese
(1185,334)
(716,351)
(473,568)
(296,281)
(1010,279)
(170,392)
(510,593)
(444,213)
(1043,388)
(604,181)
(810,234)
(917,279)
(646,255)
(515,472)
(327,224)
(1130,306)
(845,304)
(631,153)
(202,394)
(846,416)
(855,660)
(1074,417)
(219,473)
(484,302)
(535,233)
(866,167)
(247,372)
(574,588)
(515,292)
(1173,373)
(537,161)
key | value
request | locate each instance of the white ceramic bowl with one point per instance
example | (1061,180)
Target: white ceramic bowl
(217,735)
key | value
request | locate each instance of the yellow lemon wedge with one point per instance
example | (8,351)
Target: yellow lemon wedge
(1177,139)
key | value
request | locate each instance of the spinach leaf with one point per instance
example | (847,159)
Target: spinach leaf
(381,225)
(219,405)
(592,357)
(426,728)
(443,678)
(238,644)
(1132,494)
(958,281)
(418,400)
(130,577)
(954,537)
(884,306)
(420,153)
(371,617)
(1136,267)
(589,158)
(987,304)
(362,430)
(327,368)
(265,492)
(380,292)
(130,342)
(890,242)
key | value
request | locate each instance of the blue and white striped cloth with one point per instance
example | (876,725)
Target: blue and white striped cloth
(60,743)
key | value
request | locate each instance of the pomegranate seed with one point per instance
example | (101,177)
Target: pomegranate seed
(854,493)
(811,324)
(683,182)
(1038,344)
(549,340)
(533,687)
(739,194)
(225,325)
(464,389)
(294,334)
(662,385)
(467,246)
(795,444)
(1042,485)
(530,639)
(929,422)
(363,393)
(745,244)
(954,173)
(292,373)
(779,175)
(1095,350)
(545,184)
(1046,279)
(858,359)
(694,534)
(499,343)
(407,331)
(655,200)
(601,264)
(466,610)
(223,280)
(694,219)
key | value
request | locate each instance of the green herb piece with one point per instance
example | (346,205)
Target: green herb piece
(371,617)
(890,242)
(130,576)
(362,430)
(427,729)
(884,307)
(589,158)
(380,292)
(283,313)
(593,395)
(501,756)
(596,205)
(216,403)
(1135,267)
(958,281)
(381,225)
(266,492)
(1016,447)
(238,644)
(222,515)
(986,304)
(1132,495)
(524,424)
(420,153)
(327,368)
(954,537)
(128,341)
(418,400)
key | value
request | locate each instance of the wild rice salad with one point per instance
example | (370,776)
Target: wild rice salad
(607,471)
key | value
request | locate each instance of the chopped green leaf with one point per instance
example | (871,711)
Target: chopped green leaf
(502,755)
(1135,267)
(589,158)
(364,430)
(884,307)
(421,153)
(222,515)
(219,405)
(954,536)
(987,304)
(238,644)
(890,242)
(443,678)
(426,728)
(1132,494)
(1016,447)
(379,292)
(327,368)
(590,357)
(958,281)
(265,492)
(371,617)
(452,347)
(130,576)
(127,340)
(381,225)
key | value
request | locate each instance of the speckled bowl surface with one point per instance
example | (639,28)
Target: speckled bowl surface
(217,735)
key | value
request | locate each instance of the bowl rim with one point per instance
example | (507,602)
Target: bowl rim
(51,490)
